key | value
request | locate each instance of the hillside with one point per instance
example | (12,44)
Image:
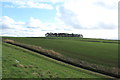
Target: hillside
(94,52)
(99,56)
(22,63)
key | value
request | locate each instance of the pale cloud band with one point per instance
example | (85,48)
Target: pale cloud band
(53,1)
(35,27)
(28,4)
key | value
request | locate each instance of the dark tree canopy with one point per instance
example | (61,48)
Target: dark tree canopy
(63,35)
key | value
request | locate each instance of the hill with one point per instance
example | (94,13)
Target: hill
(22,63)
(99,55)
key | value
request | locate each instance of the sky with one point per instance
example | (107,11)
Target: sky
(34,18)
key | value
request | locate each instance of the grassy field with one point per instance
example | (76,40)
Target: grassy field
(85,39)
(105,54)
(22,63)
(0,57)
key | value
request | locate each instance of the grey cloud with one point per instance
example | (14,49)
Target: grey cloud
(106,26)
(69,18)
(5,26)
(102,4)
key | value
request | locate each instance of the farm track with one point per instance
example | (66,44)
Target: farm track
(67,62)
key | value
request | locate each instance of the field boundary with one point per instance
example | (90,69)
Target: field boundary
(62,59)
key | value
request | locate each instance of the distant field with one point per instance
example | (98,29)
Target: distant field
(85,39)
(105,54)
(21,63)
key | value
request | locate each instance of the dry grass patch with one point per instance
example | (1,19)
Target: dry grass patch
(8,40)
(52,52)
(20,65)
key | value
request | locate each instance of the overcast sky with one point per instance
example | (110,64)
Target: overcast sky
(92,18)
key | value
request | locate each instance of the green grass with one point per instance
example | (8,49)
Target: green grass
(0,57)
(84,39)
(94,52)
(22,63)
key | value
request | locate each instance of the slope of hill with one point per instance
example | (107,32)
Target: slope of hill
(95,52)
(22,63)
(92,55)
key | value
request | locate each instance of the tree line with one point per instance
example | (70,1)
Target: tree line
(63,35)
